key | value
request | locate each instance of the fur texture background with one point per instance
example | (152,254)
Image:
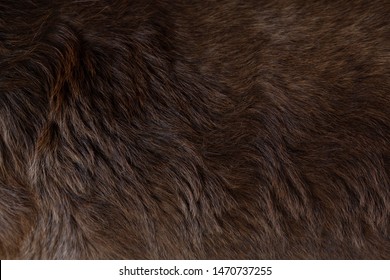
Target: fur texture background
(194,129)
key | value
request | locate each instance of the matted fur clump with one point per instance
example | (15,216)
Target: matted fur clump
(194,129)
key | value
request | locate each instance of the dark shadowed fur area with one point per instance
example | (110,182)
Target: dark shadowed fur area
(194,129)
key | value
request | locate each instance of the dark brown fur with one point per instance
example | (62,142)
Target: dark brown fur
(194,129)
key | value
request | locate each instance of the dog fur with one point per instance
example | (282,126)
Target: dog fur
(194,129)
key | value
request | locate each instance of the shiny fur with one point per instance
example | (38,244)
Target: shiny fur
(194,129)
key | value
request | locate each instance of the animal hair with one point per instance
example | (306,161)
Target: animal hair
(194,129)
